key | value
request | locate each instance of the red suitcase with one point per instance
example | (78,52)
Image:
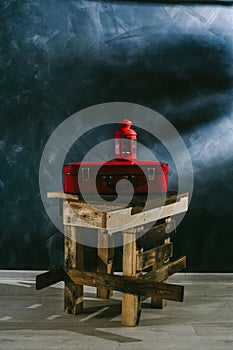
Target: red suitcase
(144,175)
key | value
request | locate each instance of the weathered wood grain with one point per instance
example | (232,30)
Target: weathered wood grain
(131,303)
(49,278)
(121,220)
(154,255)
(162,273)
(73,258)
(156,234)
(105,253)
(79,213)
(126,284)
(82,215)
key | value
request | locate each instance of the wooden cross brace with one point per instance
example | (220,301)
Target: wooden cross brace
(126,284)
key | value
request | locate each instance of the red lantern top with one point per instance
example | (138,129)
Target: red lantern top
(125,141)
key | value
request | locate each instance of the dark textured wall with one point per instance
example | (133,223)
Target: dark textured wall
(57,57)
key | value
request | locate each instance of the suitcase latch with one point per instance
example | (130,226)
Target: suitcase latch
(151,173)
(85,174)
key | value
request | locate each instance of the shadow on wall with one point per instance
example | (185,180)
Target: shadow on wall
(189,81)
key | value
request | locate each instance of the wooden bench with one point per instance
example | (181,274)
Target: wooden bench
(146,254)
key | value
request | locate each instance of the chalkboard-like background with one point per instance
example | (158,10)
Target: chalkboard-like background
(57,57)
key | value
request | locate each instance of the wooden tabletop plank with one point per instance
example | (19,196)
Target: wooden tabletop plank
(113,218)
(116,220)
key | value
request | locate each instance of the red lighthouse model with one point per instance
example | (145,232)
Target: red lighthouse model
(144,175)
(125,141)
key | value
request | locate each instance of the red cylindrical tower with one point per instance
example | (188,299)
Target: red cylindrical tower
(125,141)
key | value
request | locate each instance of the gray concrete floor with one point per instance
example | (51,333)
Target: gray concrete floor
(31,319)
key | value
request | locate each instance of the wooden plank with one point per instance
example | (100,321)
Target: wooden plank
(162,273)
(79,213)
(90,199)
(82,215)
(130,302)
(105,253)
(48,278)
(116,220)
(73,258)
(126,284)
(138,201)
(154,255)
(62,195)
(156,302)
(156,234)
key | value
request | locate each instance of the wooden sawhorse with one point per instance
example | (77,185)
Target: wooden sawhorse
(137,258)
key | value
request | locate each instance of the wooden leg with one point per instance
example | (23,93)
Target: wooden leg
(131,303)
(105,261)
(73,258)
